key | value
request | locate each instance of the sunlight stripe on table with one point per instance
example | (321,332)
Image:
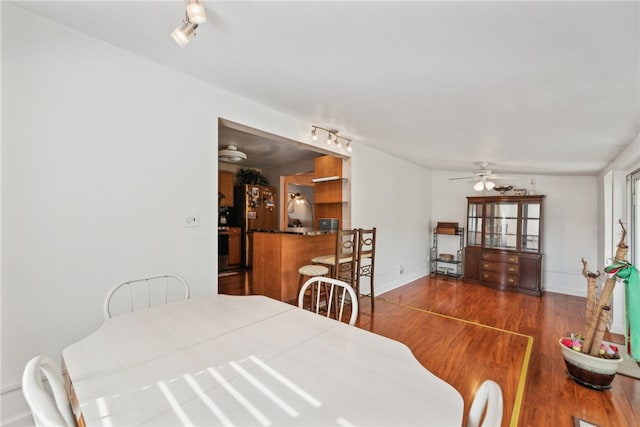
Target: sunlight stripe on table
(285,381)
(240,398)
(265,390)
(184,419)
(207,401)
(103,412)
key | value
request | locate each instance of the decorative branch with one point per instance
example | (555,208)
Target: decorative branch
(591,341)
(603,320)
(588,274)
(592,287)
(622,243)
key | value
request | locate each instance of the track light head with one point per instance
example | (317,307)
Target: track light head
(184,33)
(332,137)
(195,12)
(314,134)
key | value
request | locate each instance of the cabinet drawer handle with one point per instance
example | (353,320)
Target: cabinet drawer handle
(511,280)
(486,276)
(512,259)
(485,265)
(511,269)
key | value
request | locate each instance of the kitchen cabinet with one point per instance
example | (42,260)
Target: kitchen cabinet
(225,189)
(504,241)
(328,183)
(235,246)
(444,240)
(326,167)
(277,256)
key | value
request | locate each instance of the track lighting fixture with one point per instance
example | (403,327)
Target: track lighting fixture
(332,137)
(185,31)
(195,12)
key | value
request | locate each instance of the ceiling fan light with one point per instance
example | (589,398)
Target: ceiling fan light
(489,185)
(195,12)
(478,186)
(231,154)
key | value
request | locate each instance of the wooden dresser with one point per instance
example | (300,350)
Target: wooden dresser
(504,240)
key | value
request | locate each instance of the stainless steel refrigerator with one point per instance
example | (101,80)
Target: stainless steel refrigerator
(255,208)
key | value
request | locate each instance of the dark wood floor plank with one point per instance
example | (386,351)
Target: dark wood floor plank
(436,318)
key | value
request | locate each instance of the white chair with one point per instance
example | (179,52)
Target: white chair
(47,410)
(336,290)
(140,290)
(488,401)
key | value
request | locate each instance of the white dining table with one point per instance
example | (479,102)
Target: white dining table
(249,361)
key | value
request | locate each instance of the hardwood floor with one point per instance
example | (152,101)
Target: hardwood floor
(466,333)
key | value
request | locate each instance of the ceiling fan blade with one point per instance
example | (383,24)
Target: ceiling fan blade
(464,177)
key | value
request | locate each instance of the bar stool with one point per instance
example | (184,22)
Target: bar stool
(366,260)
(311,271)
(343,262)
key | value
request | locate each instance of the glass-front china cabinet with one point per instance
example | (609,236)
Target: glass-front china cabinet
(504,238)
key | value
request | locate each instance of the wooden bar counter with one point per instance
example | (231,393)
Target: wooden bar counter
(277,256)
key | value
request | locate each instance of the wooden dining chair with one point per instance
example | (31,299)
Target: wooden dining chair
(48,409)
(343,262)
(146,292)
(338,292)
(487,401)
(366,260)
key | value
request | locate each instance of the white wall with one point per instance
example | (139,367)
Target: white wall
(99,169)
(569,224)
(393,196)
(614,175)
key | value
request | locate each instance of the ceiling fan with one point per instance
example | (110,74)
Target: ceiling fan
(483,178)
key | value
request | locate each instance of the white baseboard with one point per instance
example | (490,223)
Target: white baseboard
(24,420)
(390,280)
(15,411)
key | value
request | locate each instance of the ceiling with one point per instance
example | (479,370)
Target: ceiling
(264,151)
(531,87)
